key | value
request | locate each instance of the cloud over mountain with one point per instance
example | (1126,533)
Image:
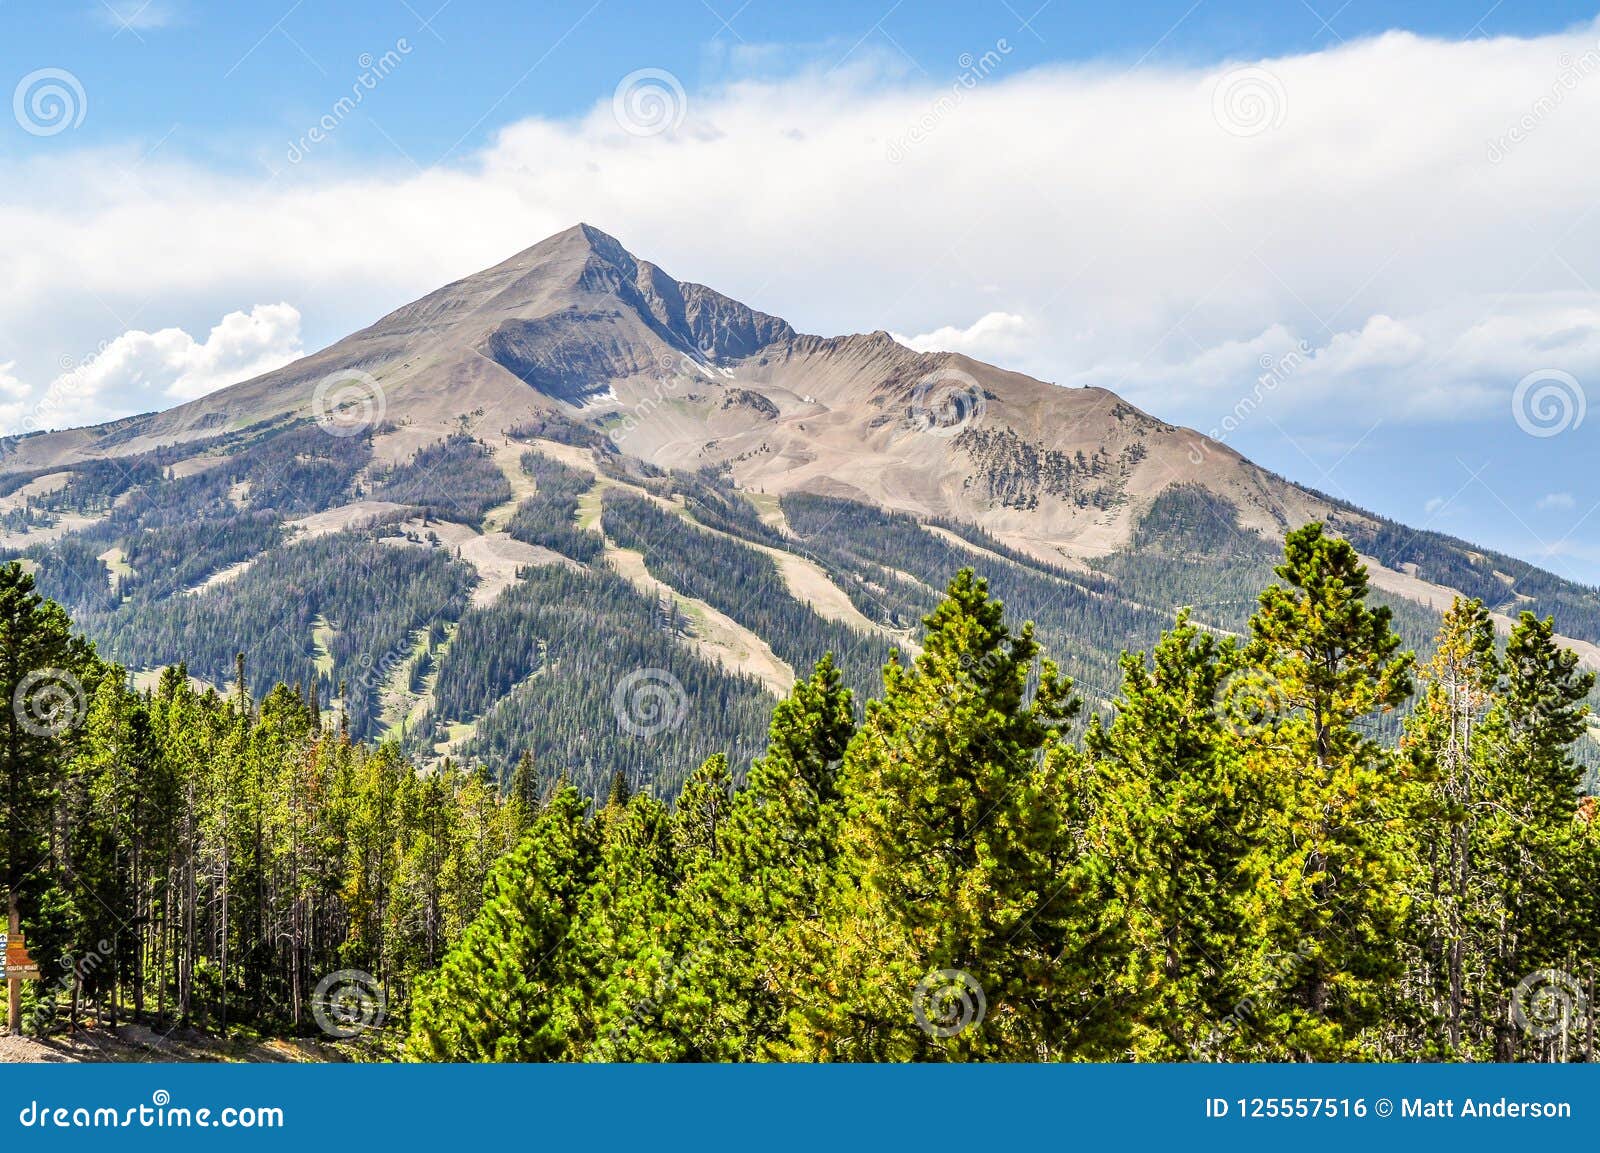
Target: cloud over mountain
(1416,212)
(139,370)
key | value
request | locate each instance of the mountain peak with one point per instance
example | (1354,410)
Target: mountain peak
(578,237)
(599,272)
(576,312)
(562,255)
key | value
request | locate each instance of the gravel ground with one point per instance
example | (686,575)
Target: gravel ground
(138,1043)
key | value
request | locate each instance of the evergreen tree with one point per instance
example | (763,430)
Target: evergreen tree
(736,977)
(623,939)
(43,702)
(1233,863)
(522,791)
(621,791)
(700,814)
(1176,819)
(501,993)
(951,903)
(1444,741)
(1329,878)
(1545,912)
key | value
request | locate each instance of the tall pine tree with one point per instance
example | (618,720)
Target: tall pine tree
(1329,879)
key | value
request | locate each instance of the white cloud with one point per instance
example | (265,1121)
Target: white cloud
(1450,364)
(1388,224)
(241,346)
(993,336)
(1557,500)
(9,385)
(138,371)
(13,397)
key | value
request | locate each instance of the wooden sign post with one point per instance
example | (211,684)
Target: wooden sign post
(18,964)
(13,984)
(19,967)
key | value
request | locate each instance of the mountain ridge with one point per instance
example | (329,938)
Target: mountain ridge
(577,326)
(574,415)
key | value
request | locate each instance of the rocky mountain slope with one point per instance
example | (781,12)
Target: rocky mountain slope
(683,377)
(466,523)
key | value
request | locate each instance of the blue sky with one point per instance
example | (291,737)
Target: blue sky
(1401,224)
(232,75)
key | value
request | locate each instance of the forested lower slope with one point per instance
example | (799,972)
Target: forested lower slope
(363,582)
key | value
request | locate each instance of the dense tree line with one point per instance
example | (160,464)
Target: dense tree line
(193,857)
(365,600)
(184,528)
(453,480)
(169,520)
(94,484)
(1230,867)
(1014,473)
(872,552)
(740,581)
(179,557)
(539,670)
(549,517)
(710,497)
(1500,581)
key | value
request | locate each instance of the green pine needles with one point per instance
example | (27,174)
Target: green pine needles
(1235,860)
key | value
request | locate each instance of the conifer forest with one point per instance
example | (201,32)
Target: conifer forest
(1296,841)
